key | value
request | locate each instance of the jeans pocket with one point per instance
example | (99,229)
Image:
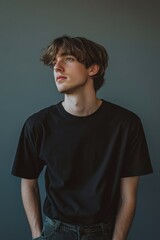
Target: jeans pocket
(47,231)
(37,238)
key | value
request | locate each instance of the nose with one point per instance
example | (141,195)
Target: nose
(58,66)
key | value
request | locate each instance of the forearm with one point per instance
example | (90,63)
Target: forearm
(124,220)
(127,207)
(32,205)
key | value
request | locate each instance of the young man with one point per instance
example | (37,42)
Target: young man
(94,152)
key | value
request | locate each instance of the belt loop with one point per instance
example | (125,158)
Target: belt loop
(57,225)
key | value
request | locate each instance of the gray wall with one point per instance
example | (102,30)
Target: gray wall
(130,32)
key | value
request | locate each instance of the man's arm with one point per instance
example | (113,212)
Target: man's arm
(127,207)
(32,205)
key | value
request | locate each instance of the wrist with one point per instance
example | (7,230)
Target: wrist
(36,234)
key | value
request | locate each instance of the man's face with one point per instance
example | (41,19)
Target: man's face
(70,75)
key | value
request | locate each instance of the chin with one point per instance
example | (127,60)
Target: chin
(65,90)
(70,89)
(62,90)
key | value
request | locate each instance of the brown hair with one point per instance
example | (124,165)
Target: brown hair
(86,52)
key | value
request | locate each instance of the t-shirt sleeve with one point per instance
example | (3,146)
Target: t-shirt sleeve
(27,163)
(137,161)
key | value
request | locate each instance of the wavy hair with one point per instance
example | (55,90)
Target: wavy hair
(85,51)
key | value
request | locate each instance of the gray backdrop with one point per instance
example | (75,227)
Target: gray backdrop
(130,31)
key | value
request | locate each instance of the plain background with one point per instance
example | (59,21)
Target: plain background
(130,31)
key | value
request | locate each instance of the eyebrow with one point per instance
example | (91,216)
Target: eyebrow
(62,54)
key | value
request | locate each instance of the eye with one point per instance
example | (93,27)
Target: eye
(69,59)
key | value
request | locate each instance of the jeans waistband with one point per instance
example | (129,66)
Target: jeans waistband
(100,227)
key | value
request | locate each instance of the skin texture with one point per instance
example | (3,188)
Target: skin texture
(127,207)
(74,74)
(76,83)
(32,205)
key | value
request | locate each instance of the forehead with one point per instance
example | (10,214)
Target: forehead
(60,51)
(61,54)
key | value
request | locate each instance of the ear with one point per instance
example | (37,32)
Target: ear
(93,70)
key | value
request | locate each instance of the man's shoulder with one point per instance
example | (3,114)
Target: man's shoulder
(120,113)
(40,116)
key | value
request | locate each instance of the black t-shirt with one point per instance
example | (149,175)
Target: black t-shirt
(85,158)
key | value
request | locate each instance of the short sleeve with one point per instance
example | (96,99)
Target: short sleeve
(137,160)
(27,163)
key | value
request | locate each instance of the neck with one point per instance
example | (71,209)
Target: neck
(81,105)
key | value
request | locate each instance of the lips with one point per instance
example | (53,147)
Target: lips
(60,78)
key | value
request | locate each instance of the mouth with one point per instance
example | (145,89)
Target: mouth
(60,78)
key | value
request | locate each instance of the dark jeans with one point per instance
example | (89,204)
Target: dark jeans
(57,230)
